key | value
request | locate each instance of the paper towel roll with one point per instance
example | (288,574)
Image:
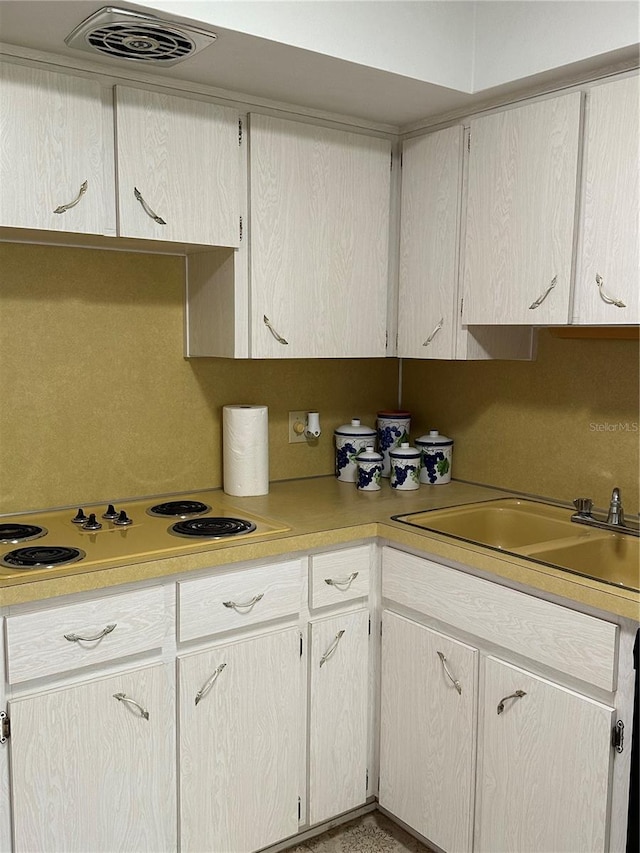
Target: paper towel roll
(245,450)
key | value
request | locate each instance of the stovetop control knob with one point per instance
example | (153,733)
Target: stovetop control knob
(80,517)
(123,519)
(91,523)
(110,513)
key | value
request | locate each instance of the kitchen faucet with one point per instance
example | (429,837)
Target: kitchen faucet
(615,517)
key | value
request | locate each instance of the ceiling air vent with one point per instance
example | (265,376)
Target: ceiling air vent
(123,34)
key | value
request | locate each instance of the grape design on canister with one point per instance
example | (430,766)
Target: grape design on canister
(344,455)
(436,464)
(391,435)
(401,472)
(365,478)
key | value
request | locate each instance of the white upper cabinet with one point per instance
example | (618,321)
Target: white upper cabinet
(608,269)
(54,152)
(523,169)
(319,241)
(429,242)
(178,166)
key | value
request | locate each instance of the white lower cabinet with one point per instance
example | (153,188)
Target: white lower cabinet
(427,731)
(239,744)
(92,766)
(545,764)
(339,700)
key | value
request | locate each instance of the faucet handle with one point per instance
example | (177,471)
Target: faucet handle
(583,505)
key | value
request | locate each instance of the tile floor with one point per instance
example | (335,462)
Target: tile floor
(373,833)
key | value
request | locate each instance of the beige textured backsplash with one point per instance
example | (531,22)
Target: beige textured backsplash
(98,401)
(563,426)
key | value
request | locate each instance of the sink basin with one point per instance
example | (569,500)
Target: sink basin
(540,532)
(611,557)
(505,524)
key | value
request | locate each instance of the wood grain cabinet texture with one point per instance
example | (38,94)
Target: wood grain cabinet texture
(545,759)
(90,772)
(339,699)
(609,246)
(54,139)
(182,157)
(520,223)
(240,743)
(320,208)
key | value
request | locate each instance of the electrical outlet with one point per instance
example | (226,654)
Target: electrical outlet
(297,426)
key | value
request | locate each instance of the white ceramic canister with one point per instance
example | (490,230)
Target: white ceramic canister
(393,430)
(405,467)
(437,451)
(369,463)
(350,439)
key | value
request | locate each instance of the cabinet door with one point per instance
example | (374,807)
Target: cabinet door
(427,731)
(92,773)
(544,770)
(339,673)
(609,253)
(429,240)
(53,133)
(239,744)
(182,157)
(319,241)
(520,216)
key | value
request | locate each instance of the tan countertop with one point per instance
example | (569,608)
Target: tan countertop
(322,512)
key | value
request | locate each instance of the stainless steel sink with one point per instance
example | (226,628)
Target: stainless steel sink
(540,532)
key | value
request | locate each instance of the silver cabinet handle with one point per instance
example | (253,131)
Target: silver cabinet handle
(64,207)
(453,680)
(541,298)
(122,697)
(517,695)
(147,209)
(342,582)
(78,638)
(334,645)
(278,337)
(610,300)
(206,687)
(247,604)
(434,333)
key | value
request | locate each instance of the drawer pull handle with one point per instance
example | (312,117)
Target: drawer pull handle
(206,687)
(342,583)
(538,302)
(275,334)
(610,300)
(439,325)
(122,697)
(247,605)
(453,680)
(517,695)
(78,638)
(334,645)
(64,207)
(151,213)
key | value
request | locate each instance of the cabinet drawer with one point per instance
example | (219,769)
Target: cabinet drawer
(237,599)
(579,645)
(76,635)
(339,576)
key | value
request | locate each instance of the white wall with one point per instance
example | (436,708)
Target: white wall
(517,39)
(463,45)
(428,40)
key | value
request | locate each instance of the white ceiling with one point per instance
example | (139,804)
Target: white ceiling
(243,62)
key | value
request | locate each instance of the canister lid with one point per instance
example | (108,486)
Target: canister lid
(405,451)
(434,439)
(389,413)
(369,455)
(355,428)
